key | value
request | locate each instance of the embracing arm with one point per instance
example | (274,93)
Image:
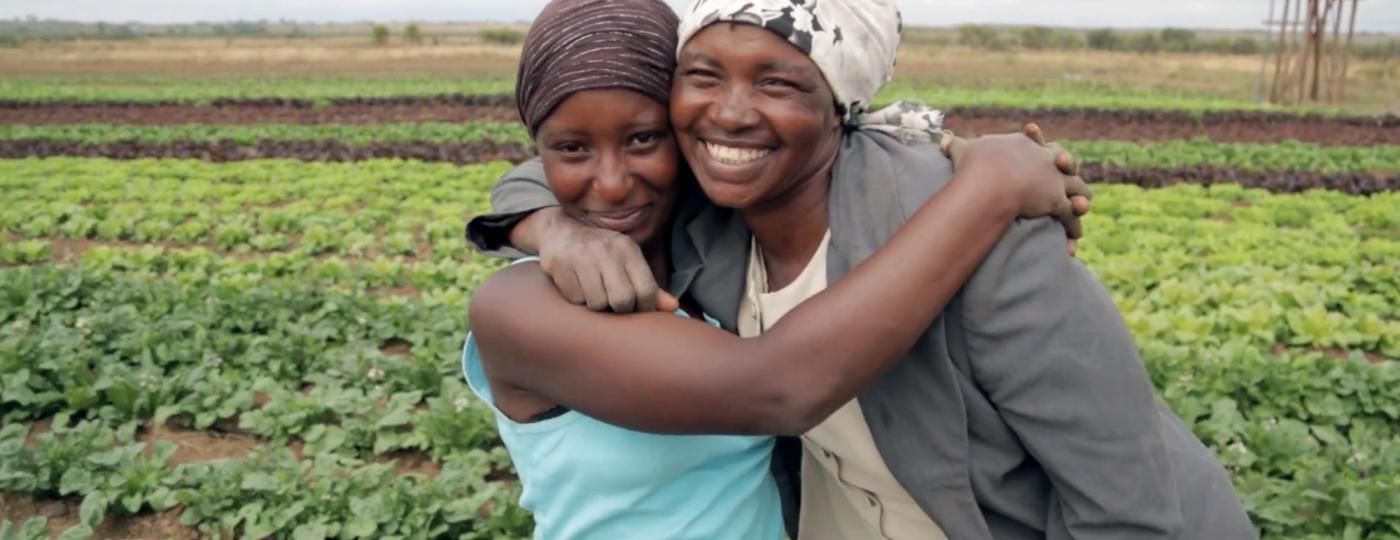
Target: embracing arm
(526,218)
(516,201)
(1048,347)
(662,373)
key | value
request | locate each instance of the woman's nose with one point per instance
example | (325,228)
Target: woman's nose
(735,111)
(614,182)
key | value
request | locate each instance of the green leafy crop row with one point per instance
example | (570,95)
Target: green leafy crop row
(368,208)
(1291,155)
(269,358)
(1270,323)
(1297,156)
(204,89)
(942,93)
(359,135)
(1060,94)
(266,494)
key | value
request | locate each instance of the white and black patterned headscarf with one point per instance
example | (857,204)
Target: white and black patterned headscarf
(852,42)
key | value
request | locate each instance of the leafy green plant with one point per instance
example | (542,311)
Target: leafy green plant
(1270,323)
(35,528)
(244,135)
(274,495)
(1247,156)
(196,89)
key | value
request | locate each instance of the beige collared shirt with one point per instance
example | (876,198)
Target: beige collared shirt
(848,493)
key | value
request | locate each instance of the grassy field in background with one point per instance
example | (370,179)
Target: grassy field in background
(205,68)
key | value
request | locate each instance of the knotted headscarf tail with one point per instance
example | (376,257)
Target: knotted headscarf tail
(852,42)
(577,45)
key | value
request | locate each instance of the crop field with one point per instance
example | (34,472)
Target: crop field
(233,306)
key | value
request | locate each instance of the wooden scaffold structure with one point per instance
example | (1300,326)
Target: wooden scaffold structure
(1310,57)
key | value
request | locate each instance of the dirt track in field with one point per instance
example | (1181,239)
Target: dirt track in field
(186,114)
(1062,124)
(1146,126)
(459,153)
(1283,181)
(361,111)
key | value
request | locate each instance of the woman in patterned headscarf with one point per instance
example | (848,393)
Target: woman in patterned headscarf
(1026,413)
(562,380)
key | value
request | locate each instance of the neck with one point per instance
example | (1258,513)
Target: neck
(790,227)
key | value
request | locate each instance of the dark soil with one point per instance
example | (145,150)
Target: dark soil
(1281,181)
(1285,181)
(1142,126)
(63,513)
(199,446)
(457,100)
(192,114)
(1063,124)
(222,151)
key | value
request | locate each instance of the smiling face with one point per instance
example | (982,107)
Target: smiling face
(753,115)
(612,162)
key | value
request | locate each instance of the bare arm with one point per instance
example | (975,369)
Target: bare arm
(526,218)
(661,373)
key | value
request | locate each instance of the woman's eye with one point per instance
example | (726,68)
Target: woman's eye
(780,83)
(568,148)
(701,77)
(643,139)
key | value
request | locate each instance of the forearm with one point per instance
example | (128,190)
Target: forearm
(650,371)
(530,232)
(660,373)
(837,343)
(522,191)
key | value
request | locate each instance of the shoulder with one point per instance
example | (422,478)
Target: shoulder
(532,168)
(877,183)
(501,297)
(880,169)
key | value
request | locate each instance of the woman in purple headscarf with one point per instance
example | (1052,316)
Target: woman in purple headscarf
(563,381)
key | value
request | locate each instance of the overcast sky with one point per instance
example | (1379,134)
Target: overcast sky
(1376,15)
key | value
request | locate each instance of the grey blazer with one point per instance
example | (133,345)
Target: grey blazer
(1023,412)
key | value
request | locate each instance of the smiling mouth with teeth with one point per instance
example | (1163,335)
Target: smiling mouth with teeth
(729,155)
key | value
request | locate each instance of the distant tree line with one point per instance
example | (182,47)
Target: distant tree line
(56,30)
(17,31)
(502,36)
(1170,40)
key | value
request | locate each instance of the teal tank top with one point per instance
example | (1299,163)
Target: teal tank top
(585,479)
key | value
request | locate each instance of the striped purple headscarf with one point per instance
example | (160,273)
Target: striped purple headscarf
(577,45)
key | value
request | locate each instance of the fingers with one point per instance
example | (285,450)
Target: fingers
(1075,186)
(617,285)
(1033,131)
(1080,204)
(641,283)
(1073,228)
(1066,163)
(595,295)
(667,303)
(567,283)
(1073,246)
(955,148)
